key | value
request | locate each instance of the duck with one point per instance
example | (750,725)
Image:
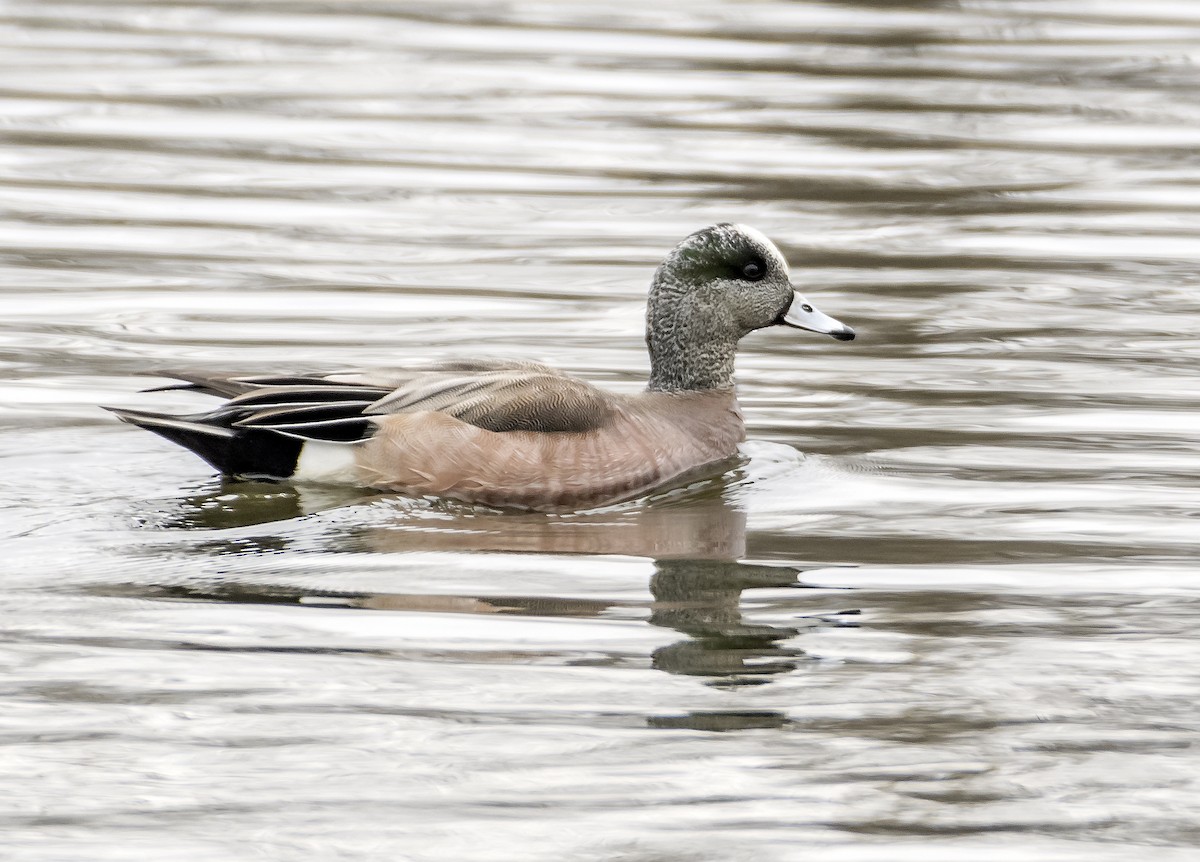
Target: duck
(517,434)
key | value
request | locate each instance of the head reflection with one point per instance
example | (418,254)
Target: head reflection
(702,599)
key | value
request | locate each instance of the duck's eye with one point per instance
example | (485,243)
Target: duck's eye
(753,271)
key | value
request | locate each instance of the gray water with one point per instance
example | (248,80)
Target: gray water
(947,608)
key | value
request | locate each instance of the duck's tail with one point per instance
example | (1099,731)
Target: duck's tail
(271,427)
(247,452)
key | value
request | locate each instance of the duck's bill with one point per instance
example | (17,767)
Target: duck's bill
(802,315)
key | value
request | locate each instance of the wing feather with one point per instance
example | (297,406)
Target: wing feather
(496,395)
(504,401)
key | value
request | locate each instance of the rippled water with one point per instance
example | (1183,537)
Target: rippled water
(948,607)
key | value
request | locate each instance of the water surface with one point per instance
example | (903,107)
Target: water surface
(946,608)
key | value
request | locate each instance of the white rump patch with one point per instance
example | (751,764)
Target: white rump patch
(321,461)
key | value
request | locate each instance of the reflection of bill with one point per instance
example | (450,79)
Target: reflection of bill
(716,720)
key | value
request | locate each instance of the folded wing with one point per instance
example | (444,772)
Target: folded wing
(343,407)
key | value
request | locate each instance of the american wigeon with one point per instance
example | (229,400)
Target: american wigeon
(519,434)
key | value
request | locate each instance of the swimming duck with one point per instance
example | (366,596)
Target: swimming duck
(518,434)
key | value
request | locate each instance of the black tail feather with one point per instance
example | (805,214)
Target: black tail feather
(234,452)
(263,426)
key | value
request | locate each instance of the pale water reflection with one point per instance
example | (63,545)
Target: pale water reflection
(945,609)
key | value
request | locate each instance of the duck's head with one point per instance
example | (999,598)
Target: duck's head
(717,285)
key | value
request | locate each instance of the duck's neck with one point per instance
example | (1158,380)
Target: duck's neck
(689,352)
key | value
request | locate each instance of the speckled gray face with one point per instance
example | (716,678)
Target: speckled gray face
(715,287)
(736,267)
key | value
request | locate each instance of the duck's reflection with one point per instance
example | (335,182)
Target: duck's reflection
(699,524)
(225,504)
(702,599)
(697,598)
(696,539)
